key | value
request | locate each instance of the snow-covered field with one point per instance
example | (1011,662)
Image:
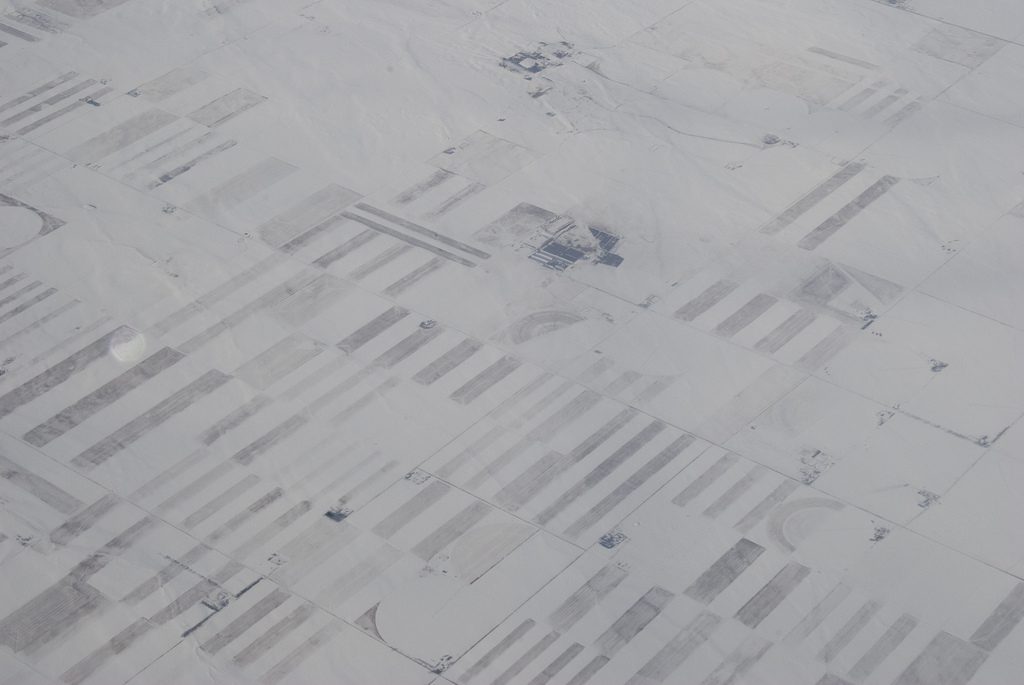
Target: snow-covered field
(541,342)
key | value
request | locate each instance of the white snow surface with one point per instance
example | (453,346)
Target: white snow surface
(541,342)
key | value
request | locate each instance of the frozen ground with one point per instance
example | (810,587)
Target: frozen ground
(553,342)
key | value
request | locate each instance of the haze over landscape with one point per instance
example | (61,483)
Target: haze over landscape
(540,342)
